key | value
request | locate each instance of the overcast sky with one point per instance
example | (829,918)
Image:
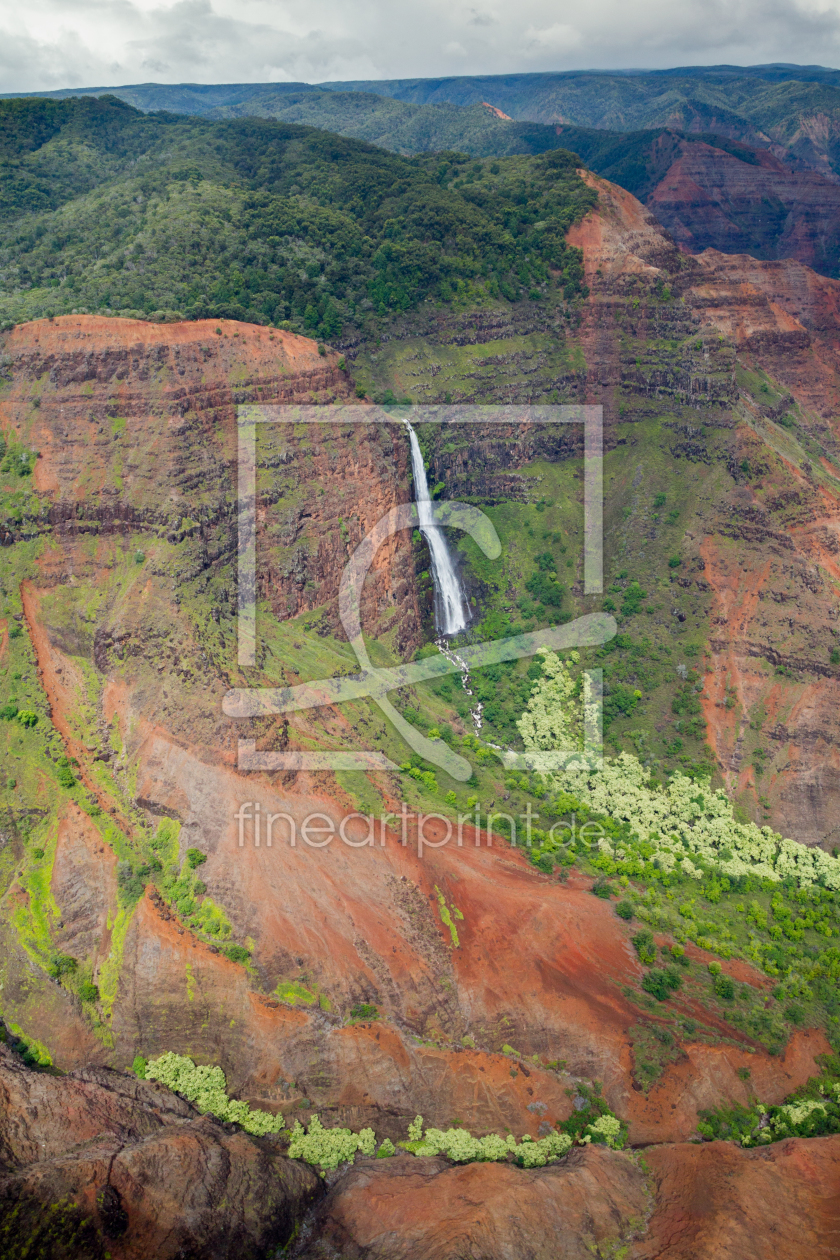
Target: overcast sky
(70,43)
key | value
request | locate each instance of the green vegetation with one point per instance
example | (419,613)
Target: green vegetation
(685,867)
(363,1011)
(402,127)
(461,1147)
(810,1111)
(32,1052)
(206,1087)
(662,983)
(448,915)
(327,1148)
(110,210)
(293,992)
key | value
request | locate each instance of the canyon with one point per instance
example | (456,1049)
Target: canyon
(119,580)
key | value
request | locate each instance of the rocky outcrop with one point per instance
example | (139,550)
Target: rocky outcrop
(713,1201)
(772,620)
(424,1209)
(100,1164)
(749,204)
(135,428)
(717,1201)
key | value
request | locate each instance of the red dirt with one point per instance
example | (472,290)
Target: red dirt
(717,1201)
(84,886)
(424,1209)
(772,603)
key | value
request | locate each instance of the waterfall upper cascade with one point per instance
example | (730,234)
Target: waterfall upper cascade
(451,607)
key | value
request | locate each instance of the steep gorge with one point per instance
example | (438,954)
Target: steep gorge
(119,566)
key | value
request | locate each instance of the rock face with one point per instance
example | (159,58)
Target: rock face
(757,198)
(125,562)
(425,1209)
(709,1202)
(135,428)
(98,1163)
(709,199)
(765,552)
(719,1202)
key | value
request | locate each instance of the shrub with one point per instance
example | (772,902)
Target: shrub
(662,983)
(8,712)
(731,1122)
(27,717)
(632,601)
(674,562)
(606,1131)
(37,854)
(62,965)
(625,910)
(236,953)
(206,1087)
(139,1065)
(386,1149)
(463,1148)
(129,883)
(15,632)
(364,1010)
(88,992)
(645,947)
(65,777)
(724,987)
(195,858)
(327,1148)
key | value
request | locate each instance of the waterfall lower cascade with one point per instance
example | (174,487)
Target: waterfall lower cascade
(451,608)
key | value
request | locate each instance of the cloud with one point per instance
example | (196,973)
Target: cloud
(559,38)
(66,43)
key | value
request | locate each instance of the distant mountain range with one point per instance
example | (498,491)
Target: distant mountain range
(742,159)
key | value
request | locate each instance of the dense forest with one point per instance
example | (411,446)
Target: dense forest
(106,209)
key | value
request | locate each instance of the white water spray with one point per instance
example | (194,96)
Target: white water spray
(451,608)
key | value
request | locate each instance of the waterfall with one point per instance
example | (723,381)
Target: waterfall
(451,608)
